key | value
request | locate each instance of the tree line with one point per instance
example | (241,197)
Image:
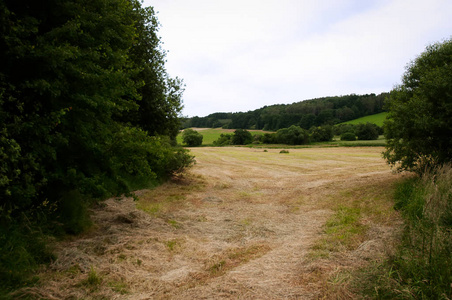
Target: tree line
(87,111)
(305,114)
(294,135)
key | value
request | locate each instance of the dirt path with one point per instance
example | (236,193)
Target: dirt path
(243,224)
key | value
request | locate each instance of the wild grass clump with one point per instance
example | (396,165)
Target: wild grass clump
(23,248)
(422,266)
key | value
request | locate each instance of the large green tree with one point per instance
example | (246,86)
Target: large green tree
(65,74)
(418,127)
(294,135)
(160,101)
(73,76)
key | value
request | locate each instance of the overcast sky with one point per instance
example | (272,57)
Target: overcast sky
(239,55)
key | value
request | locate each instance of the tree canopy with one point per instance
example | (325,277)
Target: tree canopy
(192,138)
(419,124)
(87,109)
(305,114)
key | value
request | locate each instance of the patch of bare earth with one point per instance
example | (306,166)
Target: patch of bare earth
(243,224)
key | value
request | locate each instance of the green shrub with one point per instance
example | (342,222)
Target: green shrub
(192,138)
(257,138)
(242,137)
(224,140)
(294,135)
(269,138)
(73,212)
(368,131)
(348,136)
(23,248)
(422,265)
(321,133)
(339,129)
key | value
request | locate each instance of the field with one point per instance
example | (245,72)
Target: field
(243,223)
(377,119)
(212,134)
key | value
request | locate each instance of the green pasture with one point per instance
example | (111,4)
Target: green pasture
(212,134)
(377,119)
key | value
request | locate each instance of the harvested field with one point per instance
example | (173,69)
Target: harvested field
(243,223)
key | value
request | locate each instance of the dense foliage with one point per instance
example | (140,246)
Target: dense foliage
(305,114)
(367,131)
(321,133)
(294,135)
(192,138)
(241,137)
(421,268)
(86,111)
(419,124)
(348,136)
(225,139)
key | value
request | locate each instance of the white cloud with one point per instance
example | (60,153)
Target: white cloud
(240,55)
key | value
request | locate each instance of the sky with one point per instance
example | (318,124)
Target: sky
(240,55)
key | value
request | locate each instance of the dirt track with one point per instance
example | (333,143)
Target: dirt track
(243,224)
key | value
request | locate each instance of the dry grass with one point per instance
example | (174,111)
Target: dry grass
(243,224)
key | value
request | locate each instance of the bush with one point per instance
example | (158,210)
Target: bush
(422,266)
(23,247)
(294,135)
(224,140)
(73,212)
(343,128)
(321,133)
(192,138)
(348,136)
(368,131)
(257,138)
(241,137)
(269,138)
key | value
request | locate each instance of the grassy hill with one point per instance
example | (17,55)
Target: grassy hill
(376,119)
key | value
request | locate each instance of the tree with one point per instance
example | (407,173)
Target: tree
(192,138)
(242,137)
(368,131)
(321,133)
(160,102)
(72,75)
(294,135)
(269,138)
(419,124)
(348,136)
(225,139)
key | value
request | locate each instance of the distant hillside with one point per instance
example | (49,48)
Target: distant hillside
(307,113)
(377,119)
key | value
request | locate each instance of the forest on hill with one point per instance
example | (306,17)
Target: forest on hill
(307,113)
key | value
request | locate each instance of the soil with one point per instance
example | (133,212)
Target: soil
(242,223)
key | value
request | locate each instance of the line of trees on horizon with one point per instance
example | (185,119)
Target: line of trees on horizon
(305,114)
